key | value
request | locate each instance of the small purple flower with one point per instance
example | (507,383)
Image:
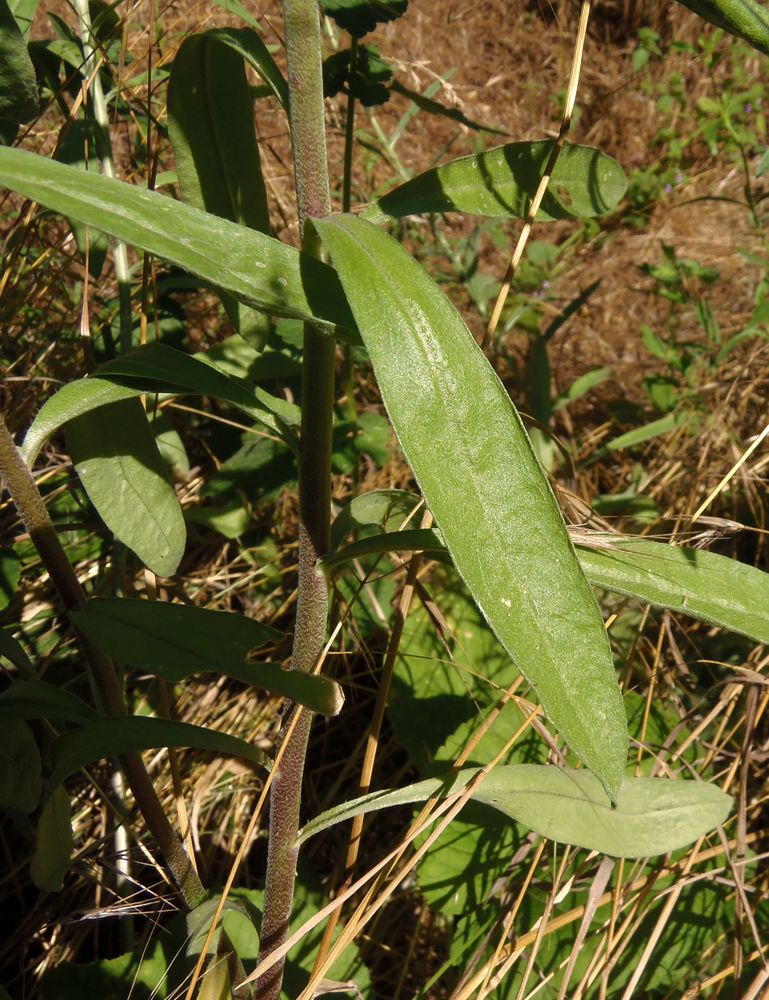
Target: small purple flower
(748,108)
(678,178)
(545,284)
(668,188)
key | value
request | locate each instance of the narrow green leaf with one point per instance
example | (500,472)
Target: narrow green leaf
(18,86)
(700,584)
(249,45)
(156,368)
(747,19)
(10,575)
(79,148)
(14,652)
(656,428)
(475,466)
(120,467)
(130,733)
(53,843)
(502,182)
(175,641)
(211,127)
(253,267)
(416,540)
(652,815)
(20,767)
(38,700)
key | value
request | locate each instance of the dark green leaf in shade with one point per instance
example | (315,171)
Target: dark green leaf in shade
(255,268)
(366,78)
(358,17)
(10,574)
(211,127)
(119,465)
(38,700)
(652,815)
(476,469)
(53,842)
(177,640)
(14,652)
(747,19)
(20,767)
(110,737)
(502,182)
(18,86)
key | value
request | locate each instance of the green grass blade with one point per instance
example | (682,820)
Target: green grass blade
(253,267)
(475,466)
(503,181)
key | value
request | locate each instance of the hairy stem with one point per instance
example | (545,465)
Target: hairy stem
(308,139)
(34,514)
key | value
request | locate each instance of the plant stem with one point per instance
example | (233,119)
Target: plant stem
(308,138)
(31,507)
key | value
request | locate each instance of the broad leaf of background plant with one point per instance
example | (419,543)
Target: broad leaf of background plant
(24,13)
(38,700)
(18,86)
(120,467)
(361,16)
(211,127)
(253,267)
(502,182)
(475,466)
(747,19)
(20,767)
(53,842)
(175,641)
(652,815)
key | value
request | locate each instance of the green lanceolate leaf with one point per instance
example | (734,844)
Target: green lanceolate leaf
(249,45)
(120,467)
(156,368)
(652,815)
(79,148)
(746,18)
(175,641)
(415,540)
(20,767)
(502,182)
(211,127)
(253,267)
(38,700)
(475,466)
(18,86)
(700,584)
(130,733)
(53,842)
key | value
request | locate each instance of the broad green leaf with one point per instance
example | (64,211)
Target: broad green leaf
(38,700)
(53,842)
(24,13)
(388,509)
(249,45)
(652,815)
(747,19)
(110,737)
(361,16)
(475,466)
(211,127)
(253,267)
(199,921)
(20,767)
(155,368)
(502,182)
(693,582)
(175,641)
(18,86)
(120,467)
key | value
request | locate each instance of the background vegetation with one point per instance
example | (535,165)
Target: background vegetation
(636,346)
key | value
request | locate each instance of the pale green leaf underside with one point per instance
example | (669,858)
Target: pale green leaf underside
(253,267)
(746,18)
(118,462)
(131,733)
(652,816)
(503,181)
(175,641)
(477,471)
(700,584)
